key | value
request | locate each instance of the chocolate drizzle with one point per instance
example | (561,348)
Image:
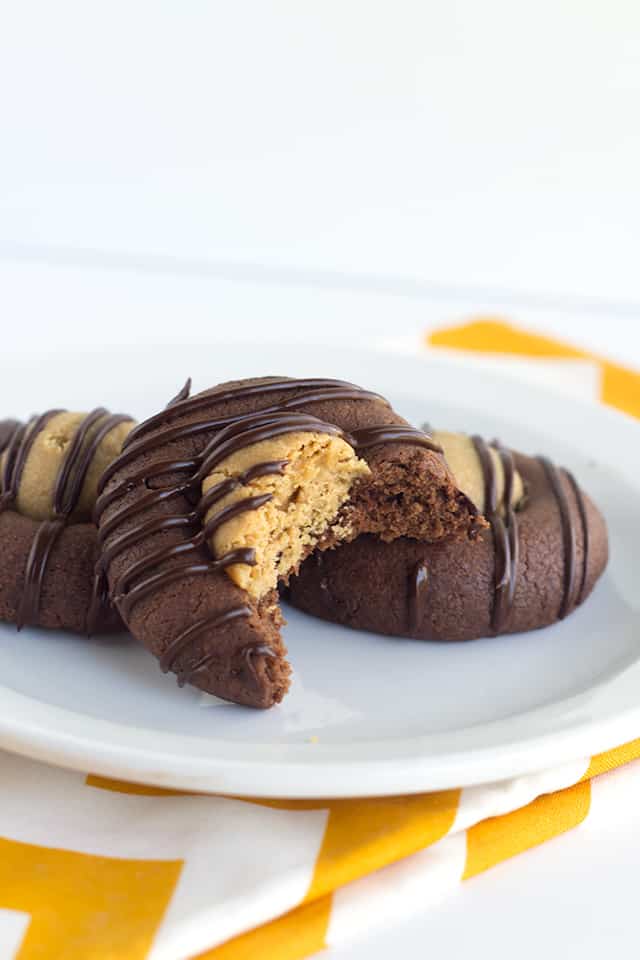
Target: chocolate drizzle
(17,453)
(7,432)
(202,627)
(184,477)
(181,395)
(418,585)
(569,542)
(505,531)
(79,457)
(393,433)
(67,491)
(44,539)
(138,580)
(511,521)
(582,510)
(314,391)
(197,629)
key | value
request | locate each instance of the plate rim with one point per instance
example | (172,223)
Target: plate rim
(258,777)
(316,770)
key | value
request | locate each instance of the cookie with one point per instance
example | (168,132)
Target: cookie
(220,496)
(540,558)
(49,473)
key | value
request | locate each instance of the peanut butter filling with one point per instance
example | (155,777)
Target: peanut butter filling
(47,455)
(282,513)
(464,462)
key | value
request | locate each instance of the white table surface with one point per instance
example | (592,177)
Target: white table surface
(344,172)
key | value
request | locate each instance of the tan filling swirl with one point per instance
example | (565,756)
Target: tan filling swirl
(287,510)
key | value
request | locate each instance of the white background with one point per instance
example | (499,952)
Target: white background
(339,171)
(490,145)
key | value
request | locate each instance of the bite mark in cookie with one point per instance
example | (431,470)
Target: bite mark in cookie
(545,548)
(166,551)
(277,496)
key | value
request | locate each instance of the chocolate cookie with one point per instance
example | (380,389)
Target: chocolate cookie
(540,558)
(49,472)
(220,496)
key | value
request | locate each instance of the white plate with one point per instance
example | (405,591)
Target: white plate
(366,714)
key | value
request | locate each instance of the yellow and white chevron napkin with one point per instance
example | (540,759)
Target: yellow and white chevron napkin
(92,869)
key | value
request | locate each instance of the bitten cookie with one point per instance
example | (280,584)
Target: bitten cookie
(540,558)
(49,472)
(218,498)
